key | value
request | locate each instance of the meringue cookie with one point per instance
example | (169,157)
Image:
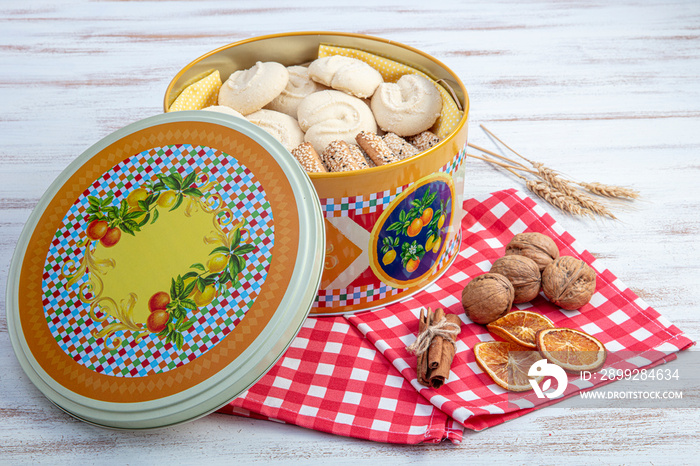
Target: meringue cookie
(224,109)
(299,86)
(407,107)
(248,91)
(346,74)
(280,125)
(330,115)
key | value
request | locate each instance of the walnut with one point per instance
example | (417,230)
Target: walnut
(523,273)
(487,297)
(538,247)
(568,282)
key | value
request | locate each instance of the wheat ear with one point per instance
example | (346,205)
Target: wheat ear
(612,191)
(542,189)
(567,187)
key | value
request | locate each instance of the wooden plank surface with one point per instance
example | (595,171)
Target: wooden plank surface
(602,91)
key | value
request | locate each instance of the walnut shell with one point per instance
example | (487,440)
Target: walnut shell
(568,282)
(487,297)
(523,273)
(538,247)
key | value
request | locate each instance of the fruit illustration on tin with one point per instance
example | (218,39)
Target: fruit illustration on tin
(411,254)
(389,249)
(434,228)
(433,239)
(97,229)
(158,301)
(173,311)
(427,215)
(441,221)
(436,245)
(413,228)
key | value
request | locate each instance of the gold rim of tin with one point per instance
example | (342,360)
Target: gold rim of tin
(332,175)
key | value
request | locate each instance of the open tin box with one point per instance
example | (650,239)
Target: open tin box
(173,262)
(359,207)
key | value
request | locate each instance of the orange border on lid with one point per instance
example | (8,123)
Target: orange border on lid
(83,381)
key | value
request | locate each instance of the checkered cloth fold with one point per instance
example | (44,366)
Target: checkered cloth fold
(353,376)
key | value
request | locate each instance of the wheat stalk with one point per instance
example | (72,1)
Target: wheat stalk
(541,188)
(612,191)
(560,192)
(556,198)
(567,188)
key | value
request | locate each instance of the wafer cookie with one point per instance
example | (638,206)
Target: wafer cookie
(376,148)
(399,146)
(358,151)
(424,140)
(339,158)
(308,158)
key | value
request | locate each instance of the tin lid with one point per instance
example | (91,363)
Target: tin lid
(165,270)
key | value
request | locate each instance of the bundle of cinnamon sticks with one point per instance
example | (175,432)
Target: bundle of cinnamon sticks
(434,363)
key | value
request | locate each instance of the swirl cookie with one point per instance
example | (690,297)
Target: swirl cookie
(346,74)
(281,126)
(298,87)
(248,91)
(223,109)
(407,107)
(330,115)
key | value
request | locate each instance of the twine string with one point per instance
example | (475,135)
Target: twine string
(442,329)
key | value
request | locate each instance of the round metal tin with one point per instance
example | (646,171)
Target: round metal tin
(165,270)
(358,275)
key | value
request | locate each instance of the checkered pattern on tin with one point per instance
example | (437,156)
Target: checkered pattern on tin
(450,250)
(359,205)
(455,163)
(67,316)
(354,295)
(368,293)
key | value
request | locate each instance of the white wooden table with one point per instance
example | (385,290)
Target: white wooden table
(600,90)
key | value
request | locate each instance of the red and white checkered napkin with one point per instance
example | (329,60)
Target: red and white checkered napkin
(336,380)
(615,316)
(333,380)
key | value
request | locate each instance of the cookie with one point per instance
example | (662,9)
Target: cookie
(223,109)
(338,157)
(407,107)
(346,74)
(423,141)
(299,86)
(360,153)
(399,146)
(331,115)
(375,147)
(248,91)
(281,126)
(308,158)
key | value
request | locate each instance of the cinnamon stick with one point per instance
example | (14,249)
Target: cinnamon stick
(435,350)
(422,368)
(442,372)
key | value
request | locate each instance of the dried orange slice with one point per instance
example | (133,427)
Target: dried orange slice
(507,363)
(520,327)
(570,349)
